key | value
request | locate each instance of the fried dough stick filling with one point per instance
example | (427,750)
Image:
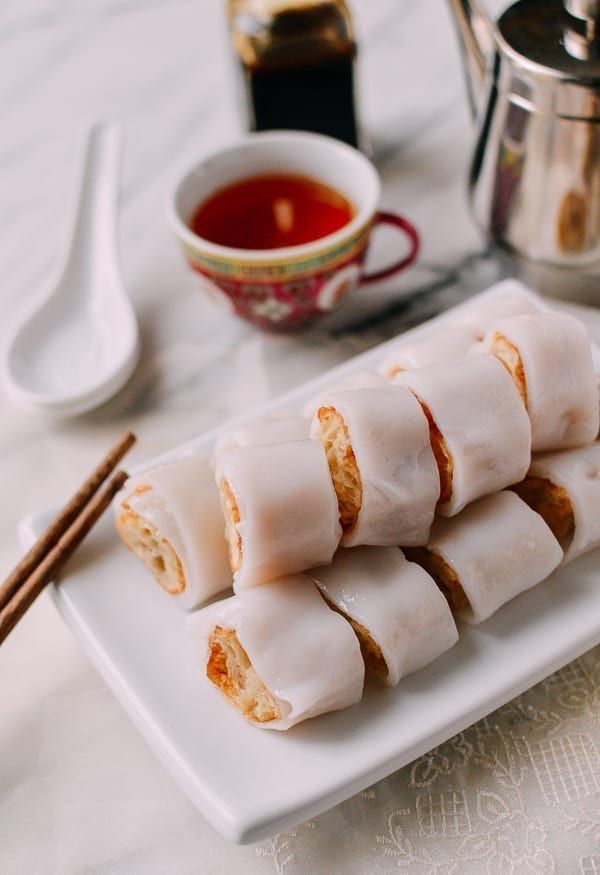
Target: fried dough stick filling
(381,464)
(147,543)
(508,354)
(553,505)
(443,574)
(230,669)
(442,455)
(494,550)
(280,508)
(549,359)
(278,653)
(370,649)
(401,620)
(231,513)
(345,475)
(170,517)
(480,432)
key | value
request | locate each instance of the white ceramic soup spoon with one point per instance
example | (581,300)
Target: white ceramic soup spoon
(79,345)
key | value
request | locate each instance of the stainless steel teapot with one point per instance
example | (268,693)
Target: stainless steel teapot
(534,84)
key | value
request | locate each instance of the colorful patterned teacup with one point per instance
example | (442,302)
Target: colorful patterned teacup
(287,287)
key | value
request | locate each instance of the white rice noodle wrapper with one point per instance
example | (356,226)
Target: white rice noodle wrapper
(396,601)
(578,473)
(512,300)
(359,380)
(498,548)
(183,505)
(483,423)
(562,392)
(275,430)
(389,434)
(306,655)
(441,343)
(289,519)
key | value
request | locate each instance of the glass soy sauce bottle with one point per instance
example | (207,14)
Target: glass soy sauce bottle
(297,60)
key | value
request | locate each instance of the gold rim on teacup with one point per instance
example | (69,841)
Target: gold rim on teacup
(332,162)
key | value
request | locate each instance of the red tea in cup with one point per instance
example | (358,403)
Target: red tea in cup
(278,226)
(271,212)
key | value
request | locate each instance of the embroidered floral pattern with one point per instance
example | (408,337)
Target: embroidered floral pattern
(511,845)
(518,792)
(445,760)
(585,823)
(281,848)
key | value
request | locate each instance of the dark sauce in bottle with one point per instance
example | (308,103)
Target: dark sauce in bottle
(297,62)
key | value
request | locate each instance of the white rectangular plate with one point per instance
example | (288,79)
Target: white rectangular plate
(250,783)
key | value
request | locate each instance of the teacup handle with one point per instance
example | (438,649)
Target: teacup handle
(383,218)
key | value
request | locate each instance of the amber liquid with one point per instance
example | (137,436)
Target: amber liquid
(270,212)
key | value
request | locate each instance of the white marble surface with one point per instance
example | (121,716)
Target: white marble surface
(79,791)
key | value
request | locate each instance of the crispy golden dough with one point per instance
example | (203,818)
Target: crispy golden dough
(230,670)
(507,353)
(444,576)
(334,437)
(443,457)
(553,505)
(232,518)
(148,544)
(370,649)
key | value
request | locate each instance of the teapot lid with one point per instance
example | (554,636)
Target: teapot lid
(556,37)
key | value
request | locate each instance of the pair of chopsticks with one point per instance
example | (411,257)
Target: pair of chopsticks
(61,539)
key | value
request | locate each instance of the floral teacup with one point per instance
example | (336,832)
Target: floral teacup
(287,287)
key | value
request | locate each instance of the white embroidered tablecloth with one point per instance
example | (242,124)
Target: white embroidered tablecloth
(517,792)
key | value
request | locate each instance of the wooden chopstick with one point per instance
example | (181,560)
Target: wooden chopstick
(64,519)
(58,555)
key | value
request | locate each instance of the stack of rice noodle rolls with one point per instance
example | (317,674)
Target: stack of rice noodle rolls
(356,532)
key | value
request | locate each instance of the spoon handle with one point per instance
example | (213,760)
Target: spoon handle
(94,238)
